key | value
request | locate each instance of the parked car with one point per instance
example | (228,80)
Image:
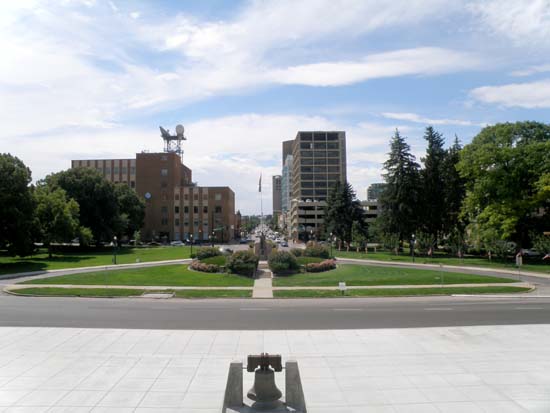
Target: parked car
(176,243)
(531,252)
(284,244)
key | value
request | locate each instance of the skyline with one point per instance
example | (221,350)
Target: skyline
(91,79)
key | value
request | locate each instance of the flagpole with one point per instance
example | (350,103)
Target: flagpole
(261,205)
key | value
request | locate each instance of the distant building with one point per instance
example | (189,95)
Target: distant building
(372,210)
(319,161)
(277,194)
(286,183)
(176,208)
(374,191)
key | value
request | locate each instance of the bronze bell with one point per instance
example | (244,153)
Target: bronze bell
(264,391)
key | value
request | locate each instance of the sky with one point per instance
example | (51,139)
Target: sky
(95,79)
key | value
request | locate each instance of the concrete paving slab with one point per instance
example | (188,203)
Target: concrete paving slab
(444,369)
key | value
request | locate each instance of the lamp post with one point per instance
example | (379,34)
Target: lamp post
(330,239)
(212,238)
(310,234)
(114,249)
(413,241)
(191,238)
(200,236)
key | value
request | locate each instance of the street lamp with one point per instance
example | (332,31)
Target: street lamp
(114,249)
(412,245)
(330,239)
(310,234)
(191,238)
(212,238)
(200,236)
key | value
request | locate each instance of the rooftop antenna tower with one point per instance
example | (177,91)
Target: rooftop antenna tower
(172,143)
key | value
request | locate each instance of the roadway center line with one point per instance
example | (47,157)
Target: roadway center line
(528,308)
(438,309)
(347,309)
(253,309)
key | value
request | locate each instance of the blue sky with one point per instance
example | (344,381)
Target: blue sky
(94,79)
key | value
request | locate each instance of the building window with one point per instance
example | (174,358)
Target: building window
(164,158)
(186,197)
(177,222)
(163,184)
(186,209)
(218,197)
(177,197)
(195,197)
(132,170)
(164,209)
(115,170)
(164,172)
(218,209)
(164,221)
(132,184)
(108,171)
(205,210)
(195,210)
(124,170)
(177,210)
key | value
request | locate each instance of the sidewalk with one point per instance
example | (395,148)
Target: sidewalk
(263,287)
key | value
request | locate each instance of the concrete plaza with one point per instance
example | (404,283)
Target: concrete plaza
(444,369)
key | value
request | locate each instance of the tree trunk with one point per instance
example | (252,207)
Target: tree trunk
(49,251)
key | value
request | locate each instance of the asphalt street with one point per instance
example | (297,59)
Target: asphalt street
(239,314)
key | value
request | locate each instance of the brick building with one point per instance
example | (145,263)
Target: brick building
(176,207)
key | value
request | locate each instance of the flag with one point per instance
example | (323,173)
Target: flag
(260,184)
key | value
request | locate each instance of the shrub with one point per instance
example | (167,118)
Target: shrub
(207,252)
(316,250)
(203,267)
(282,261)
(325,265)
(297,252)
(217,260)
(243,263)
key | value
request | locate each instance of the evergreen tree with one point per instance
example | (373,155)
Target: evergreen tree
(342,210)
(432,202)
(454,190)
(400,199)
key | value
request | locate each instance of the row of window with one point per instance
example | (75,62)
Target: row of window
(320,155)
(319,145)
(217,197)
(319,161)
(116,170)
(316,169)
(323,184)
(217,209)
(318,136)
(321,177)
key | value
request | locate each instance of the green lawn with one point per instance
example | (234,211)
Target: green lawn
(218,260)
(396,292)
(372,275)
(308,260)
(75,259)
(121,292)
(531,264)
(176,275)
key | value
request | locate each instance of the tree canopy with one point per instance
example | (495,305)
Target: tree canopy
(507,171)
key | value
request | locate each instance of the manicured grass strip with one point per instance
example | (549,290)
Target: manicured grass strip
(166,275)
(76,258)
(373,275)
(396,292)
(530,264)
(218,260)
(308,260)
(79,292)
(213,293)
(122,292)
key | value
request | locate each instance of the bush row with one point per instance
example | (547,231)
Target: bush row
(325,265)
(204,267)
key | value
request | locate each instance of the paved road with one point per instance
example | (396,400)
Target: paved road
(356,313)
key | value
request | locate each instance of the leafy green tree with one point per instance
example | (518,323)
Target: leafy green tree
(359,235)
(99,208)
(131,209)
(56,215)
(399,201)
(432,201)
(341,211)
(506,168)
(16,206)
(541,243)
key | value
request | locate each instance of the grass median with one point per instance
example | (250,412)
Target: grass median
(165,275)
(364,275)
(124,292)
(396,292)
(77,258)
(535,264)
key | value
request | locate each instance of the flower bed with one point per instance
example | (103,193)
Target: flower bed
(322,266)
(204,267)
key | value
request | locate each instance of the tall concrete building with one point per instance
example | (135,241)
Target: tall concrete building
(319,161)
(374,191)
(176,207)
(286,184)
(277,194)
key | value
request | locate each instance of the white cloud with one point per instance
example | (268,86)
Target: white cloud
(415,118)
(532,70)
(419,61)
(525,22)
(526,95)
